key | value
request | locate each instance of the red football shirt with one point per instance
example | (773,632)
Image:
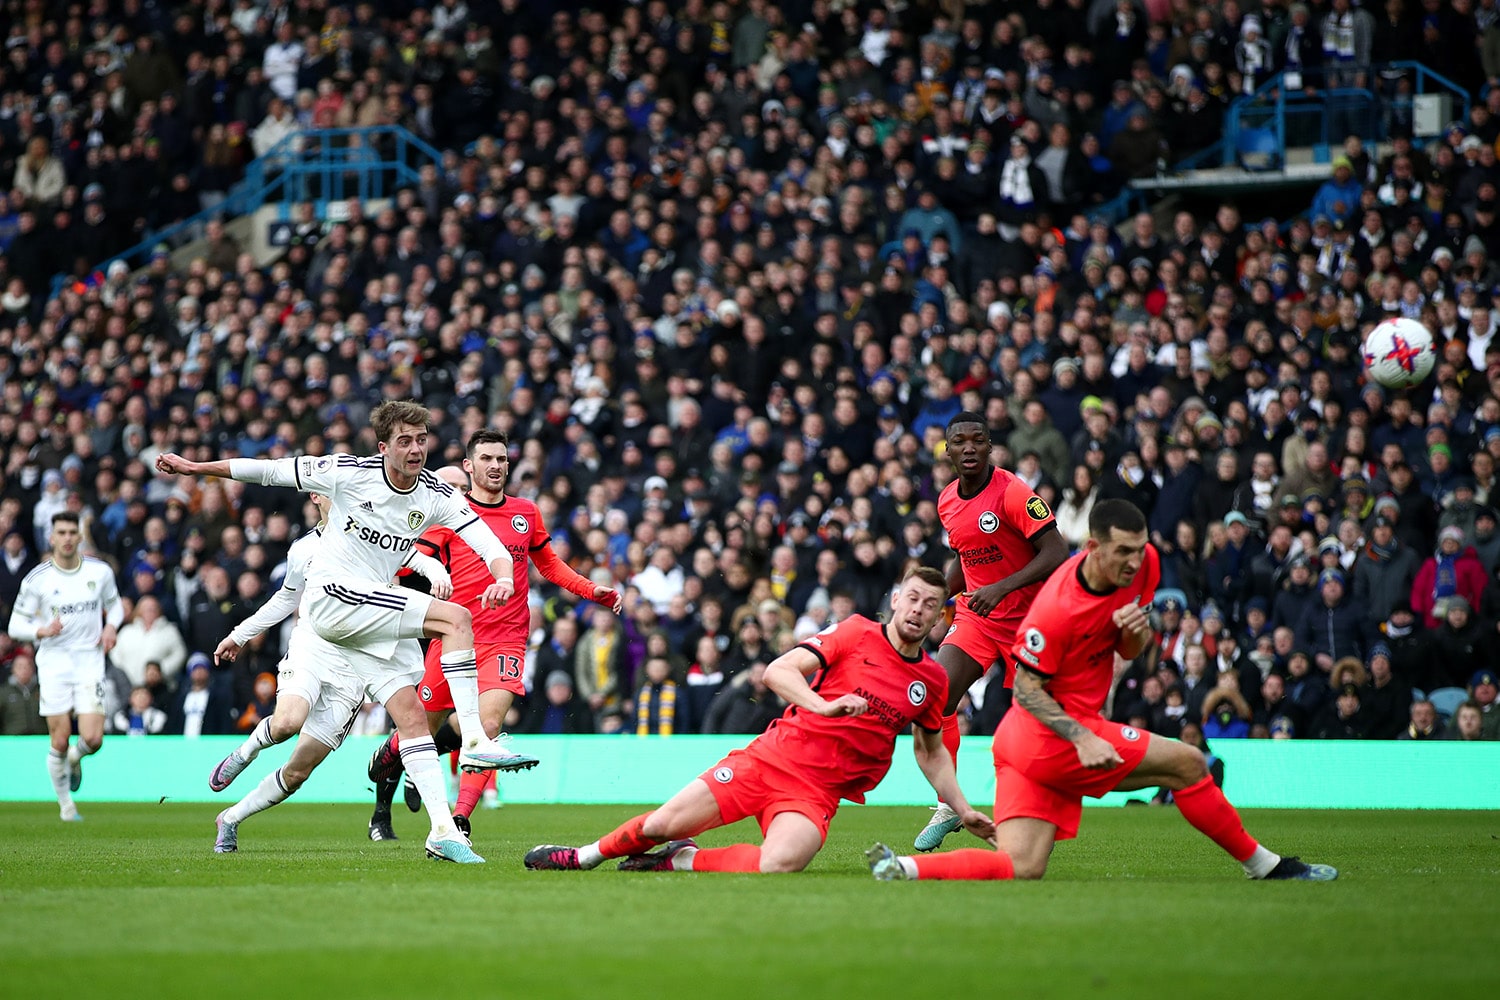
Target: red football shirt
(1069,635)
(518,524)
(992,533)
(850,754)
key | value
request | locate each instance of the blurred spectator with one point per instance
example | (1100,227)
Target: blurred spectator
(21,701)
(598,657)
(1331,628)
(744,705)
(140,717)
(1454,571)
(262,703)
(1384,574)
(1425,724)
(1467,724)
(558,711)
(1460,645)
(1485,693)
(1344,718)
(149,638)
(1386,699)
(658,708)
(199,710)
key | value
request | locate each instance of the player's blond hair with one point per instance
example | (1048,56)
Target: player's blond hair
(393,413)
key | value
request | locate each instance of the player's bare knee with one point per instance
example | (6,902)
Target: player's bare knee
(780,864)
(1192,767)
(491,726)
(284,728)
(662,825)
(293,775)
(1029,869)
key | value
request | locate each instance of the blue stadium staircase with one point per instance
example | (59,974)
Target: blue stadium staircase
(315,165)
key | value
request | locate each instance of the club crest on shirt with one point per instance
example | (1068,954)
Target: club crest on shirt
(426,693)
(916,692)
(1130,733)
(1037,508)
(723,775)
(92,584)
(988,522)
(414,519)
(520,525)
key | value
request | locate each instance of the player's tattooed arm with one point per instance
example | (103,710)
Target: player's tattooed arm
(1031,695)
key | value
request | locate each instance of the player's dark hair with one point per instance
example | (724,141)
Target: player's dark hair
(928,575)
(66,517)
(386,417)
(1115,515)
(967,417)
(486,436)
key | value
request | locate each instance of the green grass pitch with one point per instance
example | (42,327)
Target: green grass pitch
(132,903)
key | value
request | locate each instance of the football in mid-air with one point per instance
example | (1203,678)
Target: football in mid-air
(1399,353)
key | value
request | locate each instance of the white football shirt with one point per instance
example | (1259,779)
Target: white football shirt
(372,526)
(81,598)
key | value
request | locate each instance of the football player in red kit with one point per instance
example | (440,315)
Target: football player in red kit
(834,742)
(499,635)
(1058,747)
(1007,544)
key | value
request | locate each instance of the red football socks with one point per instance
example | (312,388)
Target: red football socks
(627,839)
(971,863)
(951,736)
(735,858)
(1204,805)
(470,788)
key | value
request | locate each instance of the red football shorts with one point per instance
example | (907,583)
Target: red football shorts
(751,784)
(500,667)
(985,640)
(1041,778)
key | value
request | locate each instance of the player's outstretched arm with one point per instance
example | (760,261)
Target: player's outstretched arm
(554,570)
(937,766)
(266,472)
(1031,694)
(787,676)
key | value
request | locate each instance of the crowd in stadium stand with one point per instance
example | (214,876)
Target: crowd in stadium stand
(723,272)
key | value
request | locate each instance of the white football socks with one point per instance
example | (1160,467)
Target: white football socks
(420,759)
(1259,864)
(57,770)
(462,675)
(271,791)
(258,740)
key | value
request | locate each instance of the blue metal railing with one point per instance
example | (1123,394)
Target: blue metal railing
(316,165)
(1325,116)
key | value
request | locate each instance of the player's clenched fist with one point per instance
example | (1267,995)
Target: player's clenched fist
(497,593)
(609,598)
(1133,621)
(1097,754)
(174,465)
(849,704)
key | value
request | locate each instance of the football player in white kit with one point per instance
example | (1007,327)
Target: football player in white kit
(317,691)
(379,507)
(69,608)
